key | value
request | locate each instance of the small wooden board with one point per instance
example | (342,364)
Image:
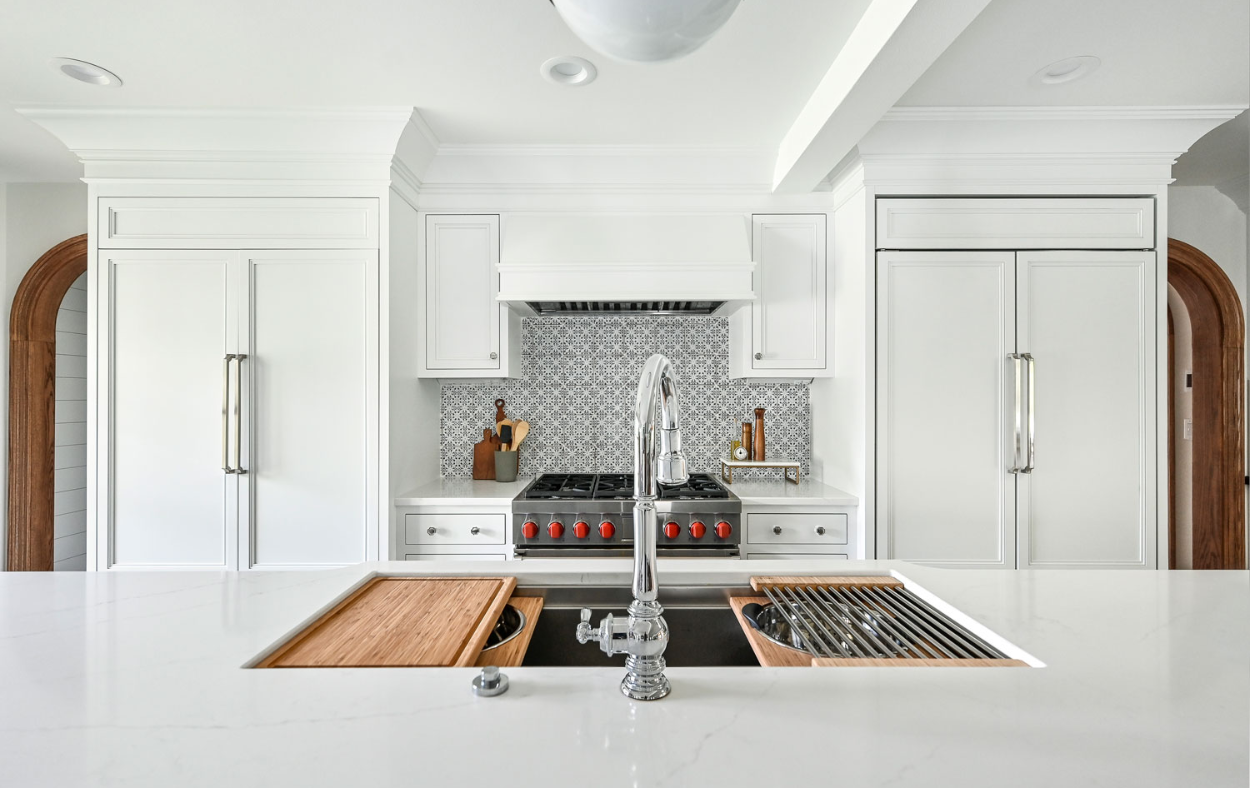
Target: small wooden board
(512,653)
(767,652)
(401,622)
(759,583)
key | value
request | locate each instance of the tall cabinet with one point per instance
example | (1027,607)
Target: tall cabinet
(240,388)
(1016,399)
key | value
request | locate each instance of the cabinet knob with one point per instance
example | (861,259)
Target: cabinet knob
(820,530)
(475,530)
(759,356)
(777,530)
(494,356)
(431,530)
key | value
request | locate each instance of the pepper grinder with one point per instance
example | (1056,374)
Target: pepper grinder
(746,439)
(758,454)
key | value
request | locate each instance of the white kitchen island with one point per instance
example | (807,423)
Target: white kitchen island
(132,678)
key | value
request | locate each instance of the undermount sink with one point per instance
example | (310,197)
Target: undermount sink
(705,632)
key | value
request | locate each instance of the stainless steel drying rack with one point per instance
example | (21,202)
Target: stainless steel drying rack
(874,622)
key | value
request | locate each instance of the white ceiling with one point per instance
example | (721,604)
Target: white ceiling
(471,68)
(1154,53)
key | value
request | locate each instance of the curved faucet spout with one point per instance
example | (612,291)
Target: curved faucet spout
(652,468)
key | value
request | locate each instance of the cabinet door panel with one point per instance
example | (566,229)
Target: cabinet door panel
(1088,320)
(788,317)
(944,331)
(462,315)
(311,418)
(169,325)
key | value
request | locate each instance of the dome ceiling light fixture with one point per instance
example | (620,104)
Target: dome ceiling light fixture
(83,71)
(645,31)
(1067,70)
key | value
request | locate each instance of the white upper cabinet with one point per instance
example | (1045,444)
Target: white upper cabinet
(1016,223)
(784,332)
(468,332)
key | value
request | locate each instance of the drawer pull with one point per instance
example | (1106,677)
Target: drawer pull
(820,530)
(431,530)
(777,530)
(475,530)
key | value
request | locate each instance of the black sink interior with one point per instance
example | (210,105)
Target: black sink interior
(699,637)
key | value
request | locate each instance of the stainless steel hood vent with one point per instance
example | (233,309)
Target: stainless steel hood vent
(619,263)
(624,307)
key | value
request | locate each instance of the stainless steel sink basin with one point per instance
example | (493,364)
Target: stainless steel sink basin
(510,624)
(705,632)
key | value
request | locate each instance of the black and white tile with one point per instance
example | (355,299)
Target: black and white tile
(579,379)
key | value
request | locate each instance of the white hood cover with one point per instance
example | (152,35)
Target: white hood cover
(626,262)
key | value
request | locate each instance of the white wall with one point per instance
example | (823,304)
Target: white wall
(1183,344)
(1204,217)
(70,454)
(37,216)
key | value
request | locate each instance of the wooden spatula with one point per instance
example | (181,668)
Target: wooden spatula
(520,429)
(499,425)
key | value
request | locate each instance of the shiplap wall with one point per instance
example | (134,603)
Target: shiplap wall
(70,455)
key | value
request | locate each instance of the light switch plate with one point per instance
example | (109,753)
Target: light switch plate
(1187,429)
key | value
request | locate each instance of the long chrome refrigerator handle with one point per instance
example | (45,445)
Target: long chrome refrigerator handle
(1030,430)
(225,413)
(1017,415)
(238,410)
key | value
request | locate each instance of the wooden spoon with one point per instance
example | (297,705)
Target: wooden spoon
(520,429)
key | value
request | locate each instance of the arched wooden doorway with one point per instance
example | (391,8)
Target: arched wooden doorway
(1218,330)
(32,402)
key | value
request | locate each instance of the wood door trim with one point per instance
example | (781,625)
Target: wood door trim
(32,402)
(1218,398)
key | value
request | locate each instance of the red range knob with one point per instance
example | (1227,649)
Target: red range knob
(581,530)
(672,530)
(556,529)
(724,529)
(697,529)
(530,529)
(607,530)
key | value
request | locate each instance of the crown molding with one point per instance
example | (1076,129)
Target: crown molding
(1207,112)
(635,151)
(192,144)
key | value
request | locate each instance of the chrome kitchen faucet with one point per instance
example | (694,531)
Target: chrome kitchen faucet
(644,635)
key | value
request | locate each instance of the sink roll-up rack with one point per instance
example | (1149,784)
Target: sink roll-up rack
(857,621)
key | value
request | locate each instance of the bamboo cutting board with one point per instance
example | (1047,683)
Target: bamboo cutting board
(401,622)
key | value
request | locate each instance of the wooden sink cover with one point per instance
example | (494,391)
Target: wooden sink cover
(401,622)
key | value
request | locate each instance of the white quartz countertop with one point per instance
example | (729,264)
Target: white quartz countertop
(778,492)
(135,679)
(448,491)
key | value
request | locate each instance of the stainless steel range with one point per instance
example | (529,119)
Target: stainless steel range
(591,514)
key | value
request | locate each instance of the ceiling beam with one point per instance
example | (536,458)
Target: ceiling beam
(894,43)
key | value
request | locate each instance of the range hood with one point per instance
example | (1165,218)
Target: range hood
(594,264)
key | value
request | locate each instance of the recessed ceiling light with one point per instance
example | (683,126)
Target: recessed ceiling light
(569,70)
(1068,69)
(83,71)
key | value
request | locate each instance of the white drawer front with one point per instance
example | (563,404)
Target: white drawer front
(449,529)
(454,557)
(789,528)
(1014,223)
(234,223)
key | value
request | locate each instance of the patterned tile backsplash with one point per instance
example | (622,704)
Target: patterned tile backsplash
(579,379)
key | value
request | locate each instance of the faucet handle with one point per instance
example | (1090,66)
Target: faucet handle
(585,632)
